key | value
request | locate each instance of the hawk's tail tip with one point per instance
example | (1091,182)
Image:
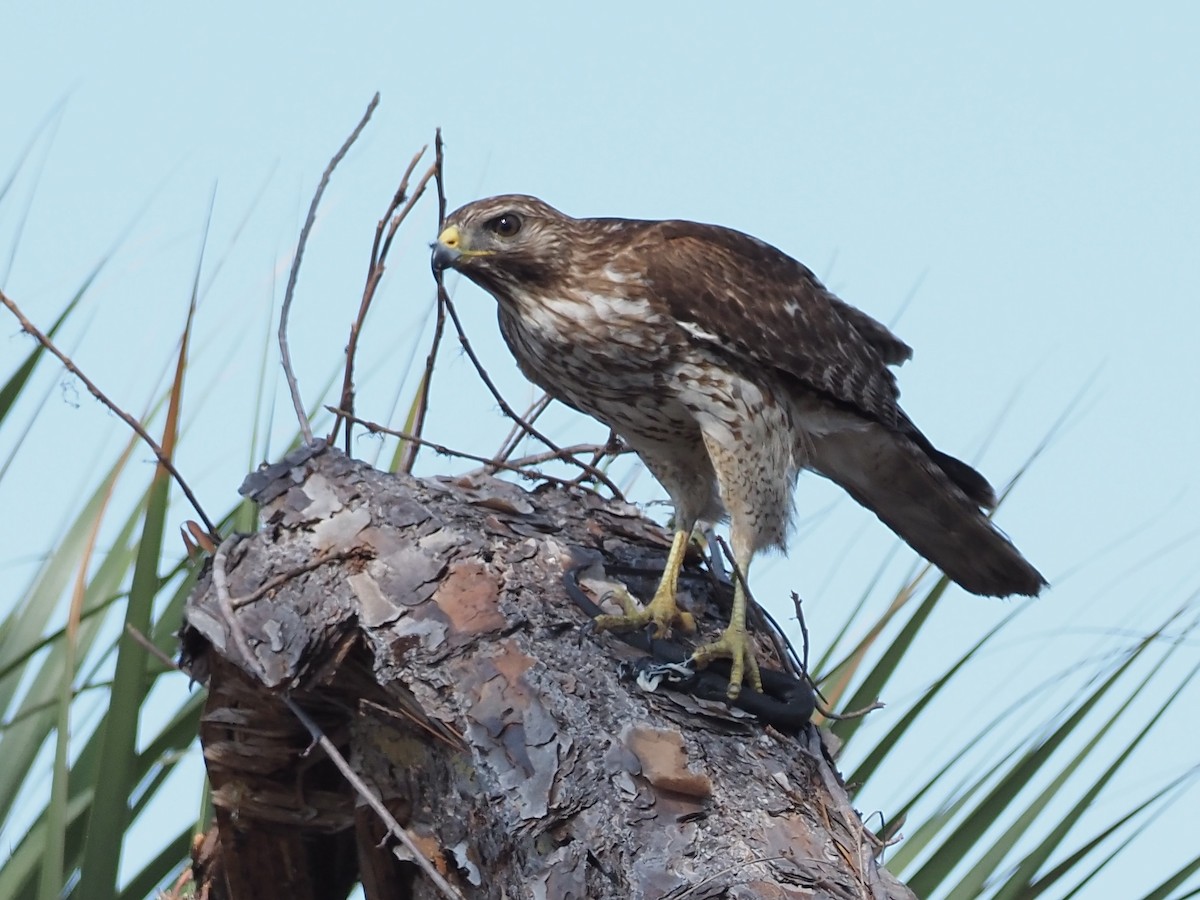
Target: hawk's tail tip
(1015,578)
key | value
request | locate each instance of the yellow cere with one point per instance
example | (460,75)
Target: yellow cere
(450,237)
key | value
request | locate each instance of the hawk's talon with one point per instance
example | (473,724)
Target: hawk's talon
(661,615)
(733,644)
(663,612)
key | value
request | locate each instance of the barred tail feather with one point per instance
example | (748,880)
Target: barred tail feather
(923,497)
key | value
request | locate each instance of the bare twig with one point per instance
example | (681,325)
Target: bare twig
(284,577)
(220,580)
(534,474)
(851,714)
(533,459)
(517,433)
(438,156)
(398,198)
(149,646)
(508,410)
(613,447)
(392,219)
(783,647)
(417,193)
(409,457)
(796,604)
(445,306)
(374,802)
(763,619)
(445,732)
(289,293)
(163,459)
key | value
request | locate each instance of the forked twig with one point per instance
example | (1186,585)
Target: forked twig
(532,459)
(614,446)
(398,209)
(798,607)
(517,434)
(163,459)
(289,293)
(284,577)
(409,458)
(489,463)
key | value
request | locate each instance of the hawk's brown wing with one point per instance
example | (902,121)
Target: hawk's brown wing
(746,297)
(749,301)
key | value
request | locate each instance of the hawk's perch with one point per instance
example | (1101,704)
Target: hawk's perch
(728,367)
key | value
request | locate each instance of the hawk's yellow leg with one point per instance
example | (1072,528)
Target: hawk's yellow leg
(662,610)
(734,644)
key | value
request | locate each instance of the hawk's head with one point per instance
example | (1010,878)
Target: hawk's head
(506,242)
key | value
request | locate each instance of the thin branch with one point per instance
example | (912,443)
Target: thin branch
(446,733)
(799,608)
(613,447)
(783,647)
(284,577)
(409,458)
(150,647)
(379,252)
(368,290)
(763,619)
(220,582)
(439,155)
(417,193)
(550,455)
(850,714)
(533,474)
(517,434)
(374,802)
(163,459)
(289,293)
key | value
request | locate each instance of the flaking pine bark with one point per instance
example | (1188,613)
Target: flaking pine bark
(424,624)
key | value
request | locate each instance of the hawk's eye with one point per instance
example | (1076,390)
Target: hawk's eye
(506,225)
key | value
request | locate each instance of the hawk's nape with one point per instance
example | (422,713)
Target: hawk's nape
(728,367)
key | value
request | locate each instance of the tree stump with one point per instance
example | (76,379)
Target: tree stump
(424,624)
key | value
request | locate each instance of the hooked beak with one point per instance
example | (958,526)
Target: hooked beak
(451,248)
(446,251)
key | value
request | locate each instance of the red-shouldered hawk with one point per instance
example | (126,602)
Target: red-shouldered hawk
(728,367)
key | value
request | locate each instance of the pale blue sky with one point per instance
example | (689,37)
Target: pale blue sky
(1029,172)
